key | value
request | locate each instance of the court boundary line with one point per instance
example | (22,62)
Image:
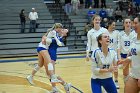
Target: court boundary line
(35,59)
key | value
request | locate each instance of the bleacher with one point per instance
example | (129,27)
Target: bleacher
(13,43)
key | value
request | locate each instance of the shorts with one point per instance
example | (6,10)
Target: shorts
(123,55)
(40,49)
(53,54)
(108,85)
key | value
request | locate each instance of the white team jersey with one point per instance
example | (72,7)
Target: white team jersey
(135,51)
(126,41)
(42,45)
(99,61)
(92,38)
(50,35)
(114,39)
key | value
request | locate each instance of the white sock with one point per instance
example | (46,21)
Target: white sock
(36,68)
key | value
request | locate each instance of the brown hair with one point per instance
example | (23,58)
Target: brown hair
(98,39)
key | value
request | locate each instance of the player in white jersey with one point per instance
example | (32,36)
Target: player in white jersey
(93,34)
(104,62)
(44,57)
(132,85)
(127,37)
(114,39)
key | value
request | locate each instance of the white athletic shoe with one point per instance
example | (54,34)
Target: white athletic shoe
(54,79)
(54,90)
(67,87)
(30,79)
(117,85)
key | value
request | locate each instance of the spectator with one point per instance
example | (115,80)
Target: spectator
(22,20)
(88,3)
(130,10)
(68,6)
(118,14)
(110,12)
(103,13)
(75,4)
(104,23)
(81,4)
(137,4)
(33,16)
(103,3)
(90,14)
(96,3)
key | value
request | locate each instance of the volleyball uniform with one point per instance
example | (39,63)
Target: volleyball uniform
(99,61)
(92,38)
(135,52)
(114,39)
(126,41)
(50,37)
(53,49)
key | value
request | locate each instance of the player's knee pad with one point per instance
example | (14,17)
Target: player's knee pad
(37,67)
(50,66)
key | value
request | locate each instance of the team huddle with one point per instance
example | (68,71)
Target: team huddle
(108,49)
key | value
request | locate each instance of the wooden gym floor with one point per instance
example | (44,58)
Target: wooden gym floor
(72,68)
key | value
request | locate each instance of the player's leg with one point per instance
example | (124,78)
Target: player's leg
(36,68)
(125,70)
(116,80)
(131,86)
(47,59)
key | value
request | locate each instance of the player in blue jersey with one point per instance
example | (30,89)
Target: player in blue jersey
(104,62)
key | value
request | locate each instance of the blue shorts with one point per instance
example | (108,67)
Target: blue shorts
(107,83)
(123,55)
(53,54)
(40,49)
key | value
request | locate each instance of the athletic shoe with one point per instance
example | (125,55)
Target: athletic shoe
(117,85)
(54,90)
(54,79)
(67,87)
(30,79)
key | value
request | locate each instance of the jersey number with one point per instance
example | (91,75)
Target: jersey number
(133,51)
(106,66)
(126,43)
(111,40)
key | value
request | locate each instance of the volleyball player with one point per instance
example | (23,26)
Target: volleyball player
(127,37)
(132,85)
(114,39)
(104,62)
(93,34)
(45,59)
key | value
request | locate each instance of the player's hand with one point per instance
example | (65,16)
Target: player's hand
(120,62)
(59,44)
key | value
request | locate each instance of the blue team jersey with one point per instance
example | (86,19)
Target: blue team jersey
(53,49)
